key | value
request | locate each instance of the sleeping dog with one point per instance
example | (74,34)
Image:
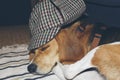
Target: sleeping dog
(71,45)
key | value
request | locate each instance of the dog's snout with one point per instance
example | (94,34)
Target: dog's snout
(32,68)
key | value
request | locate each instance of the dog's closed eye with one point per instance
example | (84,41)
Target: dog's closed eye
(44,48)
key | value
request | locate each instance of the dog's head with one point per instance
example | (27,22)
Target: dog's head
(67,47)
(43,59)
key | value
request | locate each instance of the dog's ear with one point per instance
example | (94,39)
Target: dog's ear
(70,48)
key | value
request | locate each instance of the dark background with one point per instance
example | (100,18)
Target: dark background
(104,11)
(17,12)
(14,12)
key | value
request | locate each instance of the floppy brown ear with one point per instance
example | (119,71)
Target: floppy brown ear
(69,46)
(73,44)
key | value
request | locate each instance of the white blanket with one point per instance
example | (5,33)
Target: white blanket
(14,62)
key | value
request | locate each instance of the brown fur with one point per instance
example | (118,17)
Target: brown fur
(107,59)
(70,49)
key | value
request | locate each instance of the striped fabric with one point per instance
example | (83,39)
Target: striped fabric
(48,16)
(14,62)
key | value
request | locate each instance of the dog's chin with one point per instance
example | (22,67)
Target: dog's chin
(45,71)
(42,72)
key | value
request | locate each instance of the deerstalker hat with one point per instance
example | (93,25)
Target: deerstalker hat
(48,16)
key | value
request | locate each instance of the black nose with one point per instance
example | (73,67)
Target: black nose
(32,68)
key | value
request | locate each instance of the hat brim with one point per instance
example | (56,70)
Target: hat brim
(43,37)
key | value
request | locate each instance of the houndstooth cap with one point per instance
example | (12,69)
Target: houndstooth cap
(48,16)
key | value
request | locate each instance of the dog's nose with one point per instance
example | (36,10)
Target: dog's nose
(32,68)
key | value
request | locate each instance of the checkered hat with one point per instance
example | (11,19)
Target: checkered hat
(48,16)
